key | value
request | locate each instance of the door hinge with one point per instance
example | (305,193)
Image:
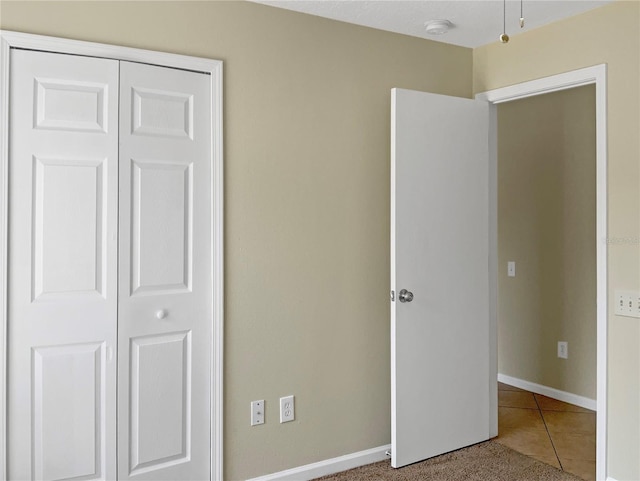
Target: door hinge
(393,296)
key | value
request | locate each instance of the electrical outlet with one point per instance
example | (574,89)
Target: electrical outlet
(627,303)
(287,409)
(511,268)
(563,349)
(257,412)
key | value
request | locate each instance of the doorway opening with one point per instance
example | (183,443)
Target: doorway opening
(595,76)
(546,227)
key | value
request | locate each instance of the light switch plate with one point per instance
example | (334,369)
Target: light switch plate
(511,268)
(627,303)
(563,349)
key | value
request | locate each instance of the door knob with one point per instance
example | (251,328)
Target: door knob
(405,296)
(161,313)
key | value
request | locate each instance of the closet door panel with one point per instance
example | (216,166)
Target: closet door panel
(62,302)
(161,222)
(69,207)
(67,442)
(160,364)
(165,314)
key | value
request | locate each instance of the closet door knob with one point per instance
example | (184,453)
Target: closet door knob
(161,313)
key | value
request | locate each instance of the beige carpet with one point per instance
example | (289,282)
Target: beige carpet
(487,461)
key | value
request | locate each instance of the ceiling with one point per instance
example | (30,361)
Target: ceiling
(475,22)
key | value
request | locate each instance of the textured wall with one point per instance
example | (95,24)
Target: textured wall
(547,224)
(610,35)
(307,105)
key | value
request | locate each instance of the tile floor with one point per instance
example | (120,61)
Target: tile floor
(557,433)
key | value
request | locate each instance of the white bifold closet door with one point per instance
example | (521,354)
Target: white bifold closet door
(109,305)
(62,302)
(165,286)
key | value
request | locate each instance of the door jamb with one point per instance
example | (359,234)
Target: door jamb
(10,40)
(596,75)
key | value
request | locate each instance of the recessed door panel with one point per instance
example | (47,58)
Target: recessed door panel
(160,401)
(71,105)
(68,411)
(162,113)
(68,234)
(161,195)
(62,269)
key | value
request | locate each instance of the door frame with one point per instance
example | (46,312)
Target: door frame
(595,75)
(9,40)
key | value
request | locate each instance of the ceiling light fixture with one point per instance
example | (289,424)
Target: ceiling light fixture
(437,27)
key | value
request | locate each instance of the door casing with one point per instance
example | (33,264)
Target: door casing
(10,40)
(596,75)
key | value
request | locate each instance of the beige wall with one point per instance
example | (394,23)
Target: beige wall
(547,225)
(610,35)
(307,205)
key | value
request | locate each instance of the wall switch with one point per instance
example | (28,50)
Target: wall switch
(563,349)
(257,412)
(627,303)
(287,409)
(511,268)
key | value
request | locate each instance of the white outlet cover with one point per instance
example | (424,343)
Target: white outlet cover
(287,409)
(511,268)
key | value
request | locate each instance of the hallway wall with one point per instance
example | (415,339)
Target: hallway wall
(547,225)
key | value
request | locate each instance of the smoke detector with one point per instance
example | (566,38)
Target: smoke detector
(437,27)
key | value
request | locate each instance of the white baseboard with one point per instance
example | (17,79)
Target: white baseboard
(329,466)
(610,479)
(583,402)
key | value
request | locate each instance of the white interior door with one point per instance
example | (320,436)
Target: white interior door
(62,300)
(165,305)
(440,343)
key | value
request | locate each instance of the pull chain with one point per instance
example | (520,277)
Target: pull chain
(504,38)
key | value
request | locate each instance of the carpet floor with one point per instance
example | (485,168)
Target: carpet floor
(486,461)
